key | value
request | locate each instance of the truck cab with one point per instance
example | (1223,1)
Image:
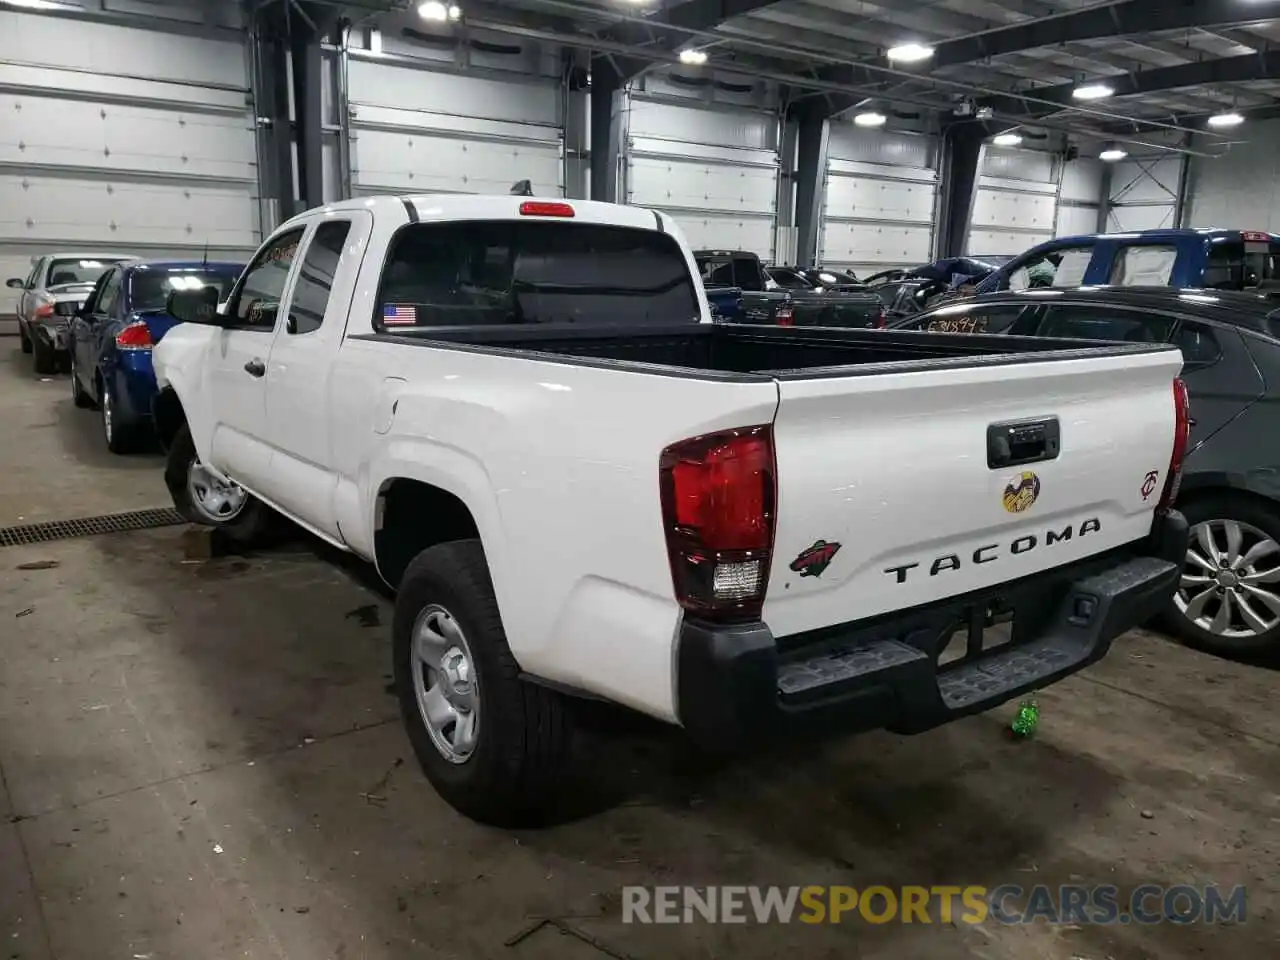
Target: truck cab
(1188,258)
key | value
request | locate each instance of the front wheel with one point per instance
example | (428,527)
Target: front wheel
(205,498)
(496,748)
(1228,599)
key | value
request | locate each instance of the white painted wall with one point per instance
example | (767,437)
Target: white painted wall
(879,201)
(1079,197)
(1241,189)
(146,146)
(1016,204)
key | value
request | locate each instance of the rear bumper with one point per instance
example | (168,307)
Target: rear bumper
(52,335)
(737,685)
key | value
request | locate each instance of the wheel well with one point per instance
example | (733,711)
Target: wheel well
(1235,493)
(413,516)
(169,416)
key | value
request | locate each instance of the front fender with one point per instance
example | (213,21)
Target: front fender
(179,364)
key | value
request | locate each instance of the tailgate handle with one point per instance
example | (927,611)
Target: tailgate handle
(1016,442)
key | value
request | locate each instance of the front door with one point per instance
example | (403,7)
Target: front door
(238,364)
(303,477)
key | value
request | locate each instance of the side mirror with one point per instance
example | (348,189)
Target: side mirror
(17,283)
(195,306)
(67,308)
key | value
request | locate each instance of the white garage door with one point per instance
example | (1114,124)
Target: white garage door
(1016,204)
(878,208)
(714,171)
(430,131)
(147,146)
(1144,194)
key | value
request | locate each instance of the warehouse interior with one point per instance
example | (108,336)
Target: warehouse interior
(199,755)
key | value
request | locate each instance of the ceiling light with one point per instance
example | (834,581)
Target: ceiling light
(695,58)
(1112,154)
(1006,140)
(910,53)
(1093,91)
(437,11)
(869,119)
(1229,119)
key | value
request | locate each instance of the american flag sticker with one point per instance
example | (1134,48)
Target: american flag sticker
(399,315)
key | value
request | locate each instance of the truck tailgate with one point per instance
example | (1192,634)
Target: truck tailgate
(886,499)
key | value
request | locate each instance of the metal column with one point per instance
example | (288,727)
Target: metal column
(607,99)
(810,175)
(961,162)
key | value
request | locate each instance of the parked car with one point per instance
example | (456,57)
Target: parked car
(581,486)
(55,278)
(1228,600)
(112,336)
(1183,258)
(796,278)
(765,301)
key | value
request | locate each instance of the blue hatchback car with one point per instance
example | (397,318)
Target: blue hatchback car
(114,331)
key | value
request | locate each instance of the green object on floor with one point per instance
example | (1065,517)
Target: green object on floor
(1024,724)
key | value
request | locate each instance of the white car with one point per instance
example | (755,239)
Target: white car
(56,279)
(519,410)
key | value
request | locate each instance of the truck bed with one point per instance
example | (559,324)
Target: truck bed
(743,351)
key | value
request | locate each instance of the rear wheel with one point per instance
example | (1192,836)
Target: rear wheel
(204,497)
(1228,600)
(496,748)
(45,360)
(23,339)
(122,435)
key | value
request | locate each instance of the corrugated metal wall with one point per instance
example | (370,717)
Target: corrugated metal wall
(1079,198)
(142,142)
(880,200)
(1144,193)
(1016,203)
(419,125)
(712,166)
(1241,189)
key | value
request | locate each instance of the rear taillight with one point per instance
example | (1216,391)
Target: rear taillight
(718,498)
(136,336)
(881,320)
(545,208)
(43,311)
(786,316)
(1181,440)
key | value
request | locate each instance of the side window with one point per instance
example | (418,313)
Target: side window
(256,302)
(972,318)
(1143,265)
(1064,267)
(315,278)
(109,298)
(1098,322)
(95,295)
(1198,345)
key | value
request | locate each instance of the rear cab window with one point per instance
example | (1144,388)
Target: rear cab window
(498,272)
(1240,264)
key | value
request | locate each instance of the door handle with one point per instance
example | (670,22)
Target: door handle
(255,368)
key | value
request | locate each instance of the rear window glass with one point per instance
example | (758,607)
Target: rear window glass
(1236,265)
(1143,266)
(149,289)
(62,272)
(495,272)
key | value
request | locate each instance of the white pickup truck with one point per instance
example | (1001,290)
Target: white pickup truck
(579,486)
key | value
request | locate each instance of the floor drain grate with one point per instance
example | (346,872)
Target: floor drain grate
(88,526)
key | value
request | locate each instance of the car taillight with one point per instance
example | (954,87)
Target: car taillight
(718,498)
(545,208)
(43,311)
(1181,440)
(785,317)
(881,320)
(136,336)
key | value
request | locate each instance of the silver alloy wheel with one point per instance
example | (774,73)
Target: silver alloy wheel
(216,499)
(445,684)
(108,412)
(1227,585)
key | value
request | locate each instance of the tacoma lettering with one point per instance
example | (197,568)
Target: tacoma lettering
(991,551)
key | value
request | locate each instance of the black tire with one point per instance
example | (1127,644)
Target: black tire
(121,436)
(78,395)
(249,527)
(45,360)
(1257,514)
(518,770)
(23,339)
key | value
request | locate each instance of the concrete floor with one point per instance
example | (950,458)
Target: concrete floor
(201,761)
